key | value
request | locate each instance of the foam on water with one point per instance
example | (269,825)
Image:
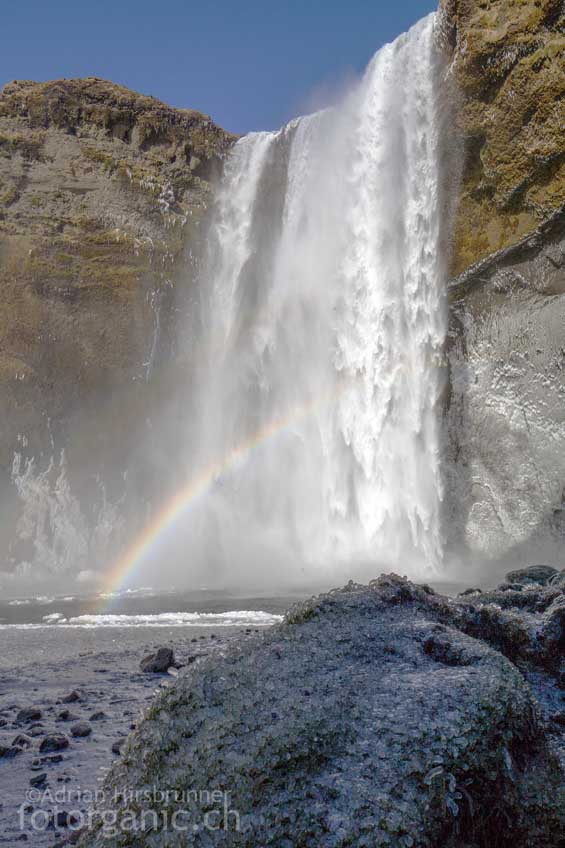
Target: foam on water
(233,618)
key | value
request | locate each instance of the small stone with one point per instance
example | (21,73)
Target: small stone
(56,758)
(8,752)
(159,662)
(36,730)
(98,716)
(22,740)
(81,729)
(29,714)
(117,746)
(72,697)
(38,779)
(54,742)
(67,715)
(63,819)
(559,718)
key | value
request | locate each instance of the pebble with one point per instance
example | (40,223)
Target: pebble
(22,740)
(117,746)
(29,714)
(98,716)
(8,752)
(66,715)
(54,742)
(72,697)
(81,729)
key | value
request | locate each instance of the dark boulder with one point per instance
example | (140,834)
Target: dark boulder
(8,752)
(71,697)
(54,742)
(100,715)
(22,740)
(62,818)
(158,662)
(29,714)
(81,730)
(118,745)
(66,715)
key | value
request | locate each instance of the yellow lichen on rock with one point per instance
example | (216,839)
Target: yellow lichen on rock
(101,188)
(508,60)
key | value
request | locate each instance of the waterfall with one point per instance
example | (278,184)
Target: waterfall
(315,340)
(320,334)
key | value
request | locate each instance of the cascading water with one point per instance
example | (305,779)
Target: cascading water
(316,351)
(320,335)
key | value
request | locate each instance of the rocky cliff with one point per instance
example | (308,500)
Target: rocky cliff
(101,191)
(505,422)
(508,60)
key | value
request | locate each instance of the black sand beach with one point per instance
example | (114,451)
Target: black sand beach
(84,679)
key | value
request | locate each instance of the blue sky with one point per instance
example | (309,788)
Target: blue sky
(248,64)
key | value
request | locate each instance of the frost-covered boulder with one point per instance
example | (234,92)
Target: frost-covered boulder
(540,574)
(368,718)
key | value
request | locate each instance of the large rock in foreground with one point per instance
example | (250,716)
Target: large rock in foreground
(368,719)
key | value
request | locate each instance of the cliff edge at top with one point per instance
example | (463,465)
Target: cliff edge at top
(508,60)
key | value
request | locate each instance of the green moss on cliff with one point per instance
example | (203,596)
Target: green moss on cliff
(30,146)
(508,60)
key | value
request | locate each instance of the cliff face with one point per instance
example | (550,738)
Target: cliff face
(506,412)
(101,189)
(505,418)
(508,61)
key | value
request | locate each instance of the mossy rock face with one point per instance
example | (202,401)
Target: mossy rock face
(507,57)
(103,193)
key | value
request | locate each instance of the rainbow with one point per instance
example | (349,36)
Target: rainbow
(194,491)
